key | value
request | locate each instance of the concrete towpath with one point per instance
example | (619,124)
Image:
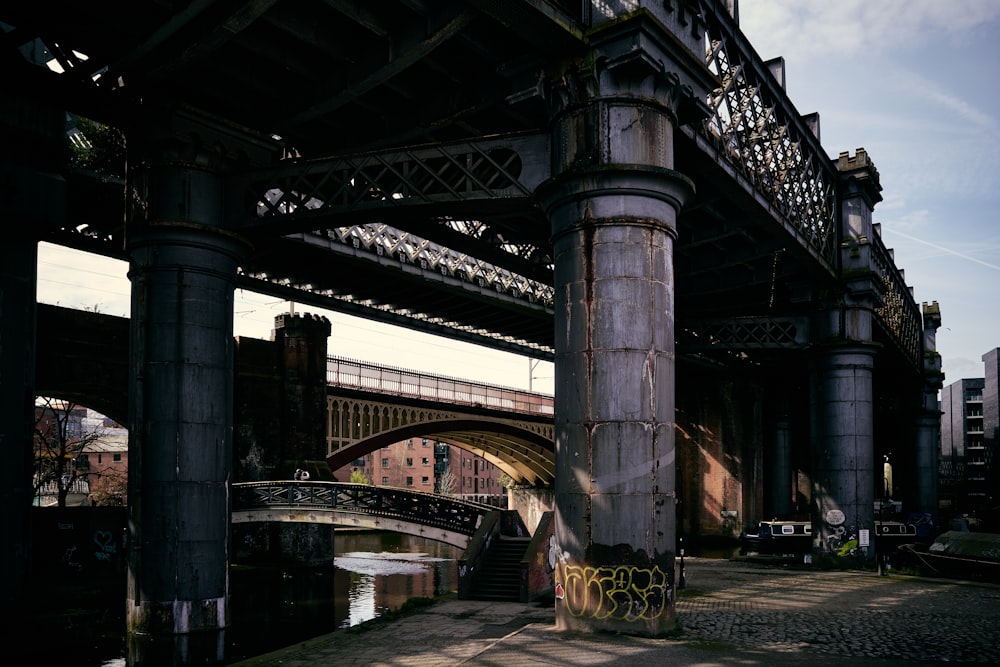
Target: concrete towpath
(730,613)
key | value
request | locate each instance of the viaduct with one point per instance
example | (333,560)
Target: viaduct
(622,187)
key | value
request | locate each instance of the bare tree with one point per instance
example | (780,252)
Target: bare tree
(60,438)
(446,483)
(109,487)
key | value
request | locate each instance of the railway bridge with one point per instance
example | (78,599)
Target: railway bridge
(623,188)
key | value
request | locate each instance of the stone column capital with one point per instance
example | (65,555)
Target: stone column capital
(648,56)
(620,195)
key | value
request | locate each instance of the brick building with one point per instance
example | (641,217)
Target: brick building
(422,464)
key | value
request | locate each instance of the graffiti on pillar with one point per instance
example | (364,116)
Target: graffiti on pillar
(840,539)
(623,592)
(106,546)
(69,559)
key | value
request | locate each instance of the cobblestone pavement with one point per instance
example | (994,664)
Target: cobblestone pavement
(841,613)
(730,613)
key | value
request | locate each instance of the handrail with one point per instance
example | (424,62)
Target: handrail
(428,509)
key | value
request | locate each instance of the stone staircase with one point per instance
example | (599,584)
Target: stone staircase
(501,573)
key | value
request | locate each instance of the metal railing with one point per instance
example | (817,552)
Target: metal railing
(898,314)
(389,380)
(428,509)
(756,130)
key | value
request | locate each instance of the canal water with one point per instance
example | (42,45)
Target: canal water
(373,573)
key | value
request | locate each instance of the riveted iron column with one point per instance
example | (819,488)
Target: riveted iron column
(183,266)
(842,414)
(613,205)
(779,463)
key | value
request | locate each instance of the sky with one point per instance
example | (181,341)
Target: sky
(916,83)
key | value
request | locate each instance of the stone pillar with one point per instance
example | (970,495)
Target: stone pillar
(779,464)
(613,204)
(183,266)
(841,410)
(32,199)
(18,263)
(928,432)
(843,480)
(302,351)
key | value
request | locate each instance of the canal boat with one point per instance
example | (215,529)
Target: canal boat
(791,537)
(778,538)
(960,555)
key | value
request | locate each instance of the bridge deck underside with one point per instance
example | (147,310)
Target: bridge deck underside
(335,78)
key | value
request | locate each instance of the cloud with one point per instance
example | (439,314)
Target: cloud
(860,28)
(949,251)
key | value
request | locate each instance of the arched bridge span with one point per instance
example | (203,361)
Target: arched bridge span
(370,406)
(360,506)
(523,448)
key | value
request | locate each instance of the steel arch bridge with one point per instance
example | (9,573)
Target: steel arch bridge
(360,506)
(522,448)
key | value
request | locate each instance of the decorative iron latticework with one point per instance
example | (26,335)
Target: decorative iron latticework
(353,420)
(385,240)
(427,509)
(757,131)
(749,333)
(450,173)
(432,184)
(897,314)
(393,381)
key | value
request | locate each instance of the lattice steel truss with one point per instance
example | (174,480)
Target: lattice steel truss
(750,333)
(898,314)
(449,173)
(384,240)
(425,181)
(756,130)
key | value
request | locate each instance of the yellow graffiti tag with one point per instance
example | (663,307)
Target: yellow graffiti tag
(624,592)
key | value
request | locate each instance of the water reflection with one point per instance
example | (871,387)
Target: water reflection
(270,607)
(372,574)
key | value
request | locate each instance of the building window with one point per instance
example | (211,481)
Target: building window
(98,459)
(425,461)
(117,458)
(425,480)
(409,463)
(359,463)
(385,481)
(409,444)
(385,463)
(409,481)
(426,444)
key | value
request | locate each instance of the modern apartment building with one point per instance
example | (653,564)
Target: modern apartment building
(969,476)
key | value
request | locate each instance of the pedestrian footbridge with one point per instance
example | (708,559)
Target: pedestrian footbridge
(426,515)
